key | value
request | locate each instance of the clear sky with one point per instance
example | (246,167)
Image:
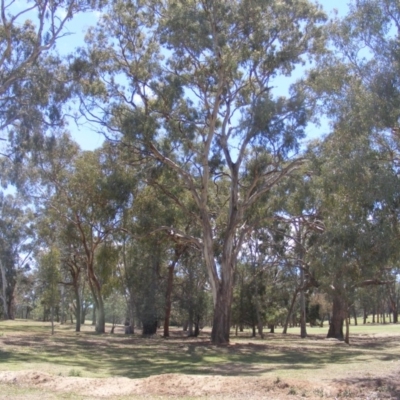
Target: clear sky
(87,138)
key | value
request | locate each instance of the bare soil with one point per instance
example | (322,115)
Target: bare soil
(210,387)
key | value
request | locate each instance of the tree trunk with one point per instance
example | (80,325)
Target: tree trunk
(355,315)
(101,317)
(4,292)
(11,304)
(337,319)
(190,329)
(254,330)
(78,310)
(394,302)
(94,317)
(99,313)
(260,323)
(290,311)
(347,336)
(168,299)
(130,324)
(303,328)
(395,316)
(178,252)
(83,315)
(5,316)
(221,279)
(149,327)
(222,315)
(52,319)
(196,328)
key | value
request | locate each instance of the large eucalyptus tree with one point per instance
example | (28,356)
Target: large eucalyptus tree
(190,85)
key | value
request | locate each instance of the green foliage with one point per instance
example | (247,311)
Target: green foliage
(49,275)
(16,232)
(33,80)
(115,308)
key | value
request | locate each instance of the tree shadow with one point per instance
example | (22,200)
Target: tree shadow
(134,356)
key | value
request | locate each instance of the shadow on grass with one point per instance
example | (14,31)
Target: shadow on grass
(137,357)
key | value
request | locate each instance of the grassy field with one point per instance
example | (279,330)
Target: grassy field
(374,353)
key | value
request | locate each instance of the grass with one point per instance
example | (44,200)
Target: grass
(30,345)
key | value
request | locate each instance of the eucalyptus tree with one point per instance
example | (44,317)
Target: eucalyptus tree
(190,85)
(16,235)
(85,192)
(357,241)
(49,277)
(357,87)
(93,198)
(149,253)
(32,79)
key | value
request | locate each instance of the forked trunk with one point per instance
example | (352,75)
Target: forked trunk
(99,318)
(221,278)
(338,316)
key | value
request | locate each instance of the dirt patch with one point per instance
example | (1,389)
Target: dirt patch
(202,386)
(279,367)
